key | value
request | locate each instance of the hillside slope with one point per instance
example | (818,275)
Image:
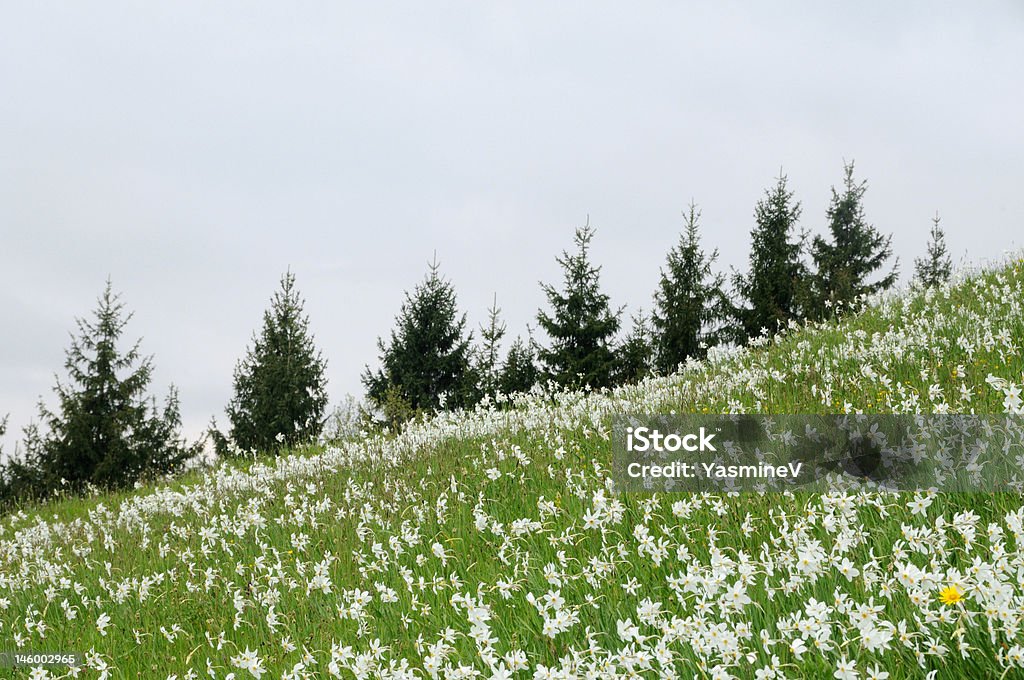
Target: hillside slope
(492,543)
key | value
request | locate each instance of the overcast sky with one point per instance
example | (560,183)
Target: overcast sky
(192,151)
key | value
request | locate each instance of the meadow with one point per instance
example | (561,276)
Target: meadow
(493,543)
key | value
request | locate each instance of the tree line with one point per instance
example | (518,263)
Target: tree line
(107,432)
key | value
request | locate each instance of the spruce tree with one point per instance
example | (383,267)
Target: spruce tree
(17,480)
(581,326)
(105,432)
(20,475)
(427,361)
(771,291)
(635,356)
(936,268)
(280,387)
(519,371)
(689,305)
(488,359)
(855,252)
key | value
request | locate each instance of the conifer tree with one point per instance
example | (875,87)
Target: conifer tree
(280,387)
(936,268)
(105,431)
(581,326)
(488,359)
(635,359)
(519,371)
(18,480)
(689,305)
(20,476)
(427,361)
(855,252)
(771,290)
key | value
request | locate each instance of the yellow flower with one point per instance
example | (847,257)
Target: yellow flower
(950,595)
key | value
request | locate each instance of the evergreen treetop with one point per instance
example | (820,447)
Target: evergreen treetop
(772,289)
(581,325)
(936,267)
(855,252)
(689,303)
(488,360)
(105,432)
(635,359)
(427,361)
(280,386)
(519,371)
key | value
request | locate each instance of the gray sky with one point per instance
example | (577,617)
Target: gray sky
(193,151)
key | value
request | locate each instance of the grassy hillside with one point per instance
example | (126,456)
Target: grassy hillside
(492,544)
